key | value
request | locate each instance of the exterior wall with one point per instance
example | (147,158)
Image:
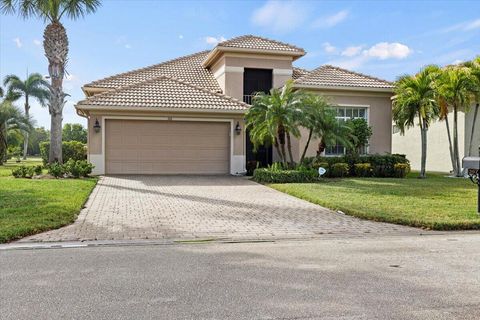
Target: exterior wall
(379,117)
(95,139)
(228,70)
(468,130)
(438,154)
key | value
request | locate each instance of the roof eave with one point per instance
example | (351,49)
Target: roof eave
(83,107)
(344,88)
(211,57)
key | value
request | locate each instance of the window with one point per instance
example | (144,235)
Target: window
(344,114)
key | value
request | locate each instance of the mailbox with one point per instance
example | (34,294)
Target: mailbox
(472,165)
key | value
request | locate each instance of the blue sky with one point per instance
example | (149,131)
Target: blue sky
(380,38)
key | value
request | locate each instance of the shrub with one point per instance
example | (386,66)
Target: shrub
(269,175)
(71,150)
(23,172)
(38,170)
(339,170)
(401,170)
(56,169)
(78,168)
(363,169)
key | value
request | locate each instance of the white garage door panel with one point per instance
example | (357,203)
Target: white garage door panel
(166,147)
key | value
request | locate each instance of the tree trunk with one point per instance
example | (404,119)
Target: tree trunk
(423,163)
(25,134)
(55,44)
(472,133)
(281,140)
(289,147)
(306,146)
(450,145)
(277,147)
(458,171)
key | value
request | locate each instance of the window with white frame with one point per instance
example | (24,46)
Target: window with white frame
(345,113)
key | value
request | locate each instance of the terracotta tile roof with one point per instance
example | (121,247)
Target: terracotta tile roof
(327,75)
(164,92)
(188,68)
(255,42)
(299,72)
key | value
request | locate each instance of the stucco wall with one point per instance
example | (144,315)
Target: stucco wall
(438,154)
(468,130)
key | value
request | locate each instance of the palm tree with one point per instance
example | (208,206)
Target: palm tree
(474,66)
(33,87)
(11,118)
(415,98)
(455,86)
(55,44)
(320,119)
(273,118)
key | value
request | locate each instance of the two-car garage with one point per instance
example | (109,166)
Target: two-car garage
(166,147)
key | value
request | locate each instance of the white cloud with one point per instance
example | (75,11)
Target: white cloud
(37,42)
(457,61)
(70,77)
(328,48)
(472,25)
(330,21)
(128,46)
(386,50)
(279,16)
(463,26)
(180,36)
(214,40)
(18,42)
(352,51)
(380,51)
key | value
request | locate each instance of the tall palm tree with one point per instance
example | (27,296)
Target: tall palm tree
(319,117)
(474,66)
(415,99)
(55,44)
(11,118)
(33,87)
(273,118)
(455,87)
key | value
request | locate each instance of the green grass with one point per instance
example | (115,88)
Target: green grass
(438,202)
(29,206)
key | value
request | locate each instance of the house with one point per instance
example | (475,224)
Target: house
(438,152)
(186,116)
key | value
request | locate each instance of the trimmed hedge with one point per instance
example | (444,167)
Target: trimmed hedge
(381,166)
(269,175)
(71,150)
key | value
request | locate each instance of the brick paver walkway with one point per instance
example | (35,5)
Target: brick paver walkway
(205,207)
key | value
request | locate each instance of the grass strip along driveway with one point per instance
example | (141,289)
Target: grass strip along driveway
(438,202)
(29,206)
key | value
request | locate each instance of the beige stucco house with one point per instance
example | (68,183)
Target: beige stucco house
(187,115)
(438,153)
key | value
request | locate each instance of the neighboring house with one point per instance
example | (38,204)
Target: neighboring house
(438,154)
(187,115)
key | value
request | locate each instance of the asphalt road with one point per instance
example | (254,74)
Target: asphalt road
(414,277)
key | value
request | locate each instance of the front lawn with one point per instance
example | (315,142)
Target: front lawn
(29,206)
(438,202)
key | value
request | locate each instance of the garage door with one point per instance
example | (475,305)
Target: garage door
(166,147)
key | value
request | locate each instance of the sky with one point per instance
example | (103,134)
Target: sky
(385,39)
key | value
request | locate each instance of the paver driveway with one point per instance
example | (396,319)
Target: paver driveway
(205,207)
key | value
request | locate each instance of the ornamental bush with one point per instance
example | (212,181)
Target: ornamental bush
(23,172)
(339,170)
(363,169)
(401,170)
(71,150)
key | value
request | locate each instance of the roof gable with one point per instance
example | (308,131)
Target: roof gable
(186,68)
(331,76)
(164,92)
(259,43)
